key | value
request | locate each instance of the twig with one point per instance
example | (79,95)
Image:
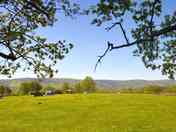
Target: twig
(122,28)
(109,48)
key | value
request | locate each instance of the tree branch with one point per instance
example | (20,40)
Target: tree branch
(40,9)
(158,33)
(8,57)
(121,27)
(110,46)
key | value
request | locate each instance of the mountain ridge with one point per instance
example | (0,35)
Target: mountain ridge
(101,83)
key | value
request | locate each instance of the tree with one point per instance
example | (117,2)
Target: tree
(30,87)
(20,46)
(25,88)
(170,89)
(88,85)
(153,89)
(153,36)
(78,88)
(2,90)
(36,88)
(49,89)
(66,87)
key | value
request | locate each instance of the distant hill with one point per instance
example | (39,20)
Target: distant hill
(106,84)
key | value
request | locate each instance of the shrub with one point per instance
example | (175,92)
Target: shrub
(126,90)
(137,90)
(25,88)
(36,88)
(48,88)
(170,89)
(58,91)
(153,89)
(2,89)
(5,91)
(66,88)
(78,88)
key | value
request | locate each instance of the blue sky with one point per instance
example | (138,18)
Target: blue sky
(89,42)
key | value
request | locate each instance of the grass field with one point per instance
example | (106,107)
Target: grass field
(89,113)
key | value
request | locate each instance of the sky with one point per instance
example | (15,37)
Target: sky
(90,42)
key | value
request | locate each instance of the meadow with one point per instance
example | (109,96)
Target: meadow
(88,113)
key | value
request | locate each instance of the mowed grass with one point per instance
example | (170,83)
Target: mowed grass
(89,113)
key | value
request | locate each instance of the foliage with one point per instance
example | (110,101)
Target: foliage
(36,88)
(58,91)
(170,89)
(152,89)
(88,84)
(49,87)
(22,47)
(66,87)
(5,91)
(25,88)
(126,90)
(153,35)
(138,90)
(2,90)
(78,88)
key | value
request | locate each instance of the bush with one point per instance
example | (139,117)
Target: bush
(66,88)
(27,88)
(78,88)
(48,88)
(152,89)
(58,91)
(5,91)
(2,89)
(126,90)
(138,90)
(170,89)
(36,88)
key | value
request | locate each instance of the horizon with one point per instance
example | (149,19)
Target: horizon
(83,78)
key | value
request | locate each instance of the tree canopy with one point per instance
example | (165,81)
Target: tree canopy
(88,84)
(153,35)
(20,46)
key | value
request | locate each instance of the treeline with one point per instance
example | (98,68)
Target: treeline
(151,89)
(5,91)
(35,88)
(86,85)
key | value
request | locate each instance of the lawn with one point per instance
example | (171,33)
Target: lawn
(89,113)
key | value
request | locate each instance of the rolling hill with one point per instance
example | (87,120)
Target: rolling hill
(110,84)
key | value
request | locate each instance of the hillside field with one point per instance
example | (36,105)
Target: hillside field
(89,113)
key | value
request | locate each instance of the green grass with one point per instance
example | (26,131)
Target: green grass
(89,113)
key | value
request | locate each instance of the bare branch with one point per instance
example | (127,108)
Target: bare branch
(121,27)
(160,32)
(110,46)
(124,33)
(152,14)
(112,26)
